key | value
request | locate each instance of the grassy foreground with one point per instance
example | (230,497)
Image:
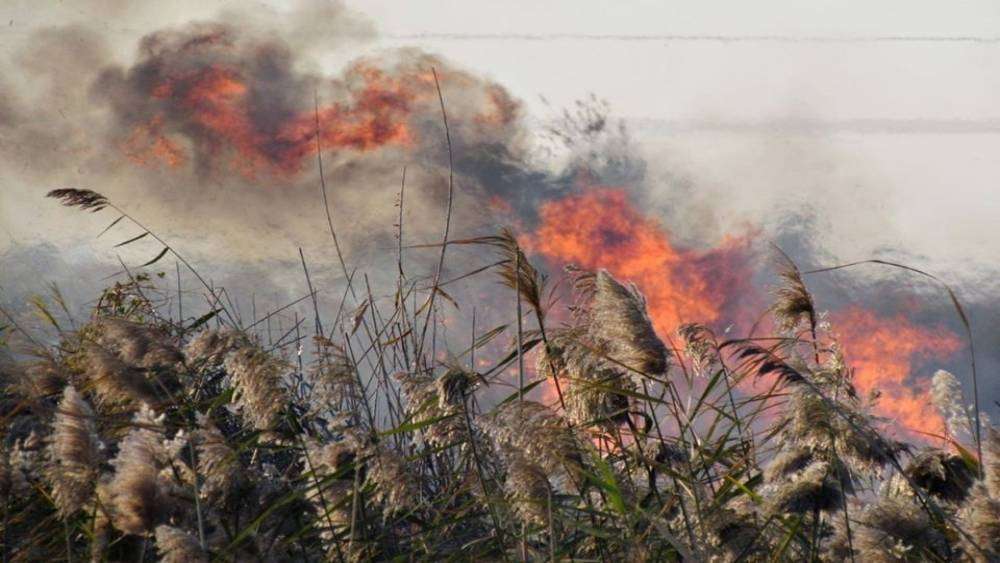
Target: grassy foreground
(141,436)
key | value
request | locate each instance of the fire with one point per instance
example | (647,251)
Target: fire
(215,105)
(600,228)
(884,352)
(147,146)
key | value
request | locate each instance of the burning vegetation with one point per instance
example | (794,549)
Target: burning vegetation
(646,405)
(137,434)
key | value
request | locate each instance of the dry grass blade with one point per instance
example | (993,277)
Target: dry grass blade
(762,361)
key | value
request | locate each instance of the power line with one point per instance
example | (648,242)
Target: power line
(698,38)
(864,126)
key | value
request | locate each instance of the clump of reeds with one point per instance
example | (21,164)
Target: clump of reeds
(594,392)
(138,436)
(531,431)
(896,529)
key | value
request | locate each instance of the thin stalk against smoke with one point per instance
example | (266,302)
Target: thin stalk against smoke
(326,202)
(447,221)
(305,269)
(399,229)
(520,330)
(481,473)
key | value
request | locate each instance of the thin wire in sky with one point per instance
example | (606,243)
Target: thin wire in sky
(699,38)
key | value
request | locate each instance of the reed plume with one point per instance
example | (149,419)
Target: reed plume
(210,347)
(257,378)
(527,485)
(699,347)
(74,453)
(616,317)
(83,199)
(896,529)
(991,460)
(594,392)
(115,382)
(440,400)
(517,272)
(333,467)
(134,497)
(945,476)
(333,378)
(395,488)
(793,305)
(177,546)
(38,379)
(980,518)
(946,396)
(218,464)
(137,344)
(819,486)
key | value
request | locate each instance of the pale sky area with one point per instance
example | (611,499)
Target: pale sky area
(894,140)
(878,117)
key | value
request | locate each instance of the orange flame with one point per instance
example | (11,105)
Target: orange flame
(216,103)
(601,229)
(884,351)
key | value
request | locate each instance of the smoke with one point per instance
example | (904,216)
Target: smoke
(215,126)
(209,131)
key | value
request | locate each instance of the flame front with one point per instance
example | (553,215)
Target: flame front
(884,352)
(600,228)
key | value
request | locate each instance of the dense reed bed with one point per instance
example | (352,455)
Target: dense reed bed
(136,435)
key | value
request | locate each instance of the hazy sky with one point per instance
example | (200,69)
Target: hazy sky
(891,142)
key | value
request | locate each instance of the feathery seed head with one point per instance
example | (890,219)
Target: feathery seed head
(177,546)
(257,378)
(74,453)
(210,347)
(946,395)
(618,318)
(83,199)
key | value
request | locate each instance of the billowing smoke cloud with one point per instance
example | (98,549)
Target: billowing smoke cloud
(215,127)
